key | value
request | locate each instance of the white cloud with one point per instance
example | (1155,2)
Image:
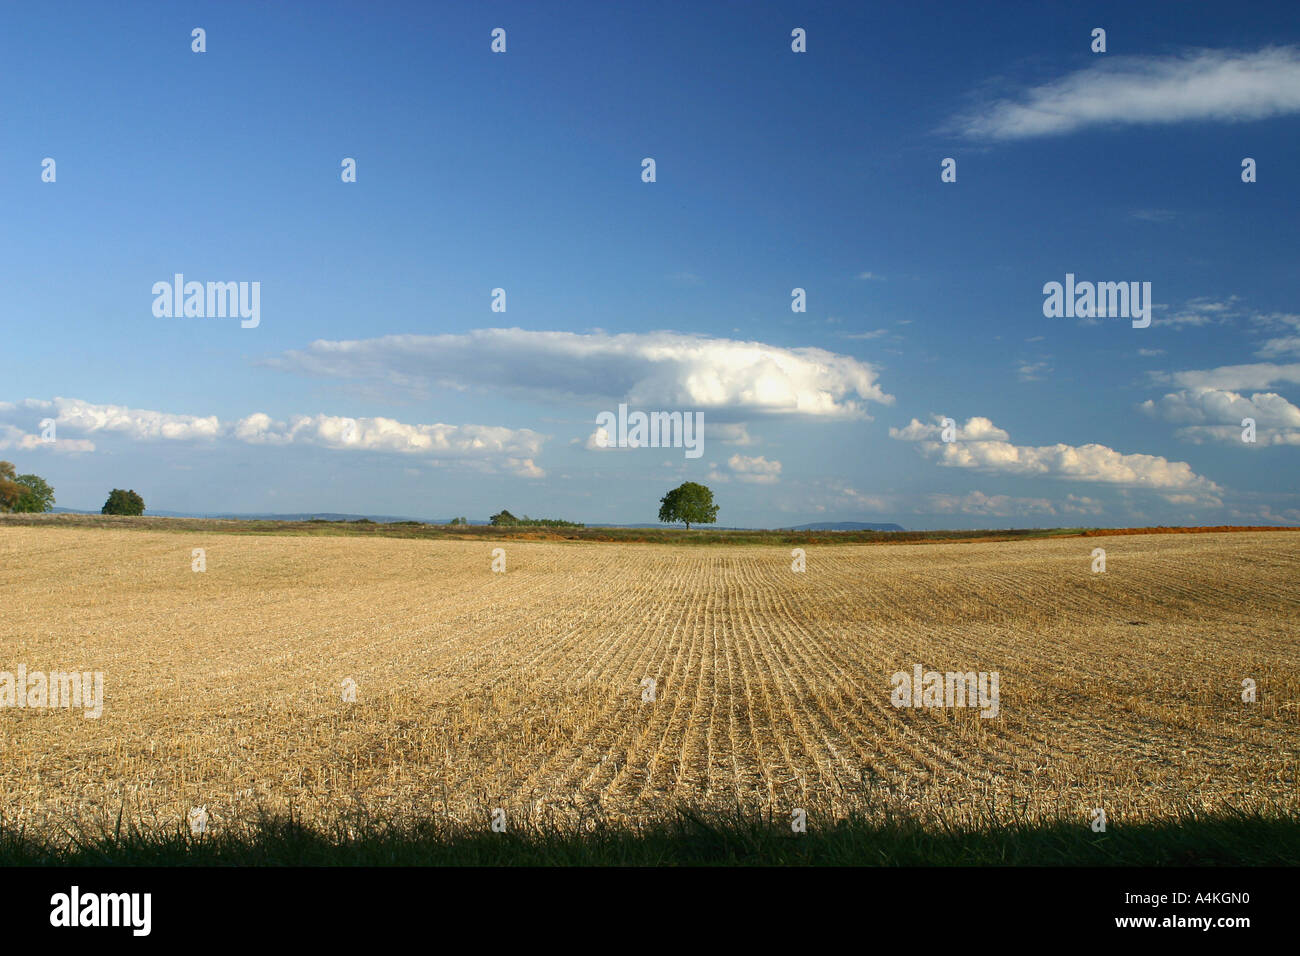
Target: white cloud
(1255,375)
(1032,371)
(600,440)
(1209,414)
(842,498)
(14,437)
(994,454)
(656,369)
(978,503)
(975,429)
(512,450)
(135,423)
(1198,85)
(1081,504)
(735,433)
(839,496)
(1266,515)
(1280,347)
(1284,345)
(729,433)
(873,334)
(757,470)
(1200,312)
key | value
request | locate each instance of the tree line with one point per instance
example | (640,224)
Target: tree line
(690,502)
(32,494)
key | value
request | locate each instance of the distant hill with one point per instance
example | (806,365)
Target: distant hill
(301,516)
(656,525)
(391,519)
(846,526)
(316,516)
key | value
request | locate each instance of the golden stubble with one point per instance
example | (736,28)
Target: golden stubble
(523,690)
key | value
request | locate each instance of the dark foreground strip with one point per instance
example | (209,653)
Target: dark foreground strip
(638,908)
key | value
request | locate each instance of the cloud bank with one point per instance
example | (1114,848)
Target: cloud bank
(1211,414)
(664,370)
(1198,85)
(982,446)
(511,450)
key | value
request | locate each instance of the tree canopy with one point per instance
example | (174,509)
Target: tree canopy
(10,490)
(123,503)
(505,519)
(689,502)
(38,497)
(23,493)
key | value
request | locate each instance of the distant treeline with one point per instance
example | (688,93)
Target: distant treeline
(504,519)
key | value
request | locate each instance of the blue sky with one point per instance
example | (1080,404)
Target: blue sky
(379,380)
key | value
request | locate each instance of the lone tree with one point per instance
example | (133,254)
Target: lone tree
(23,493)
(503,517)
(123,503)
(688,502)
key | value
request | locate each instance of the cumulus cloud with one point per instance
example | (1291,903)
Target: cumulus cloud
(135,423)
(1209,414)
(17,417)
(511,449)
(651,370)
(728,433)
(975,429)
(982,446)
(14,437)
(1197,85)
(601,440)
(757,470)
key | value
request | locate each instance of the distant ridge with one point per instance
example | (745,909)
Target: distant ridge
(298,516)
(845,526)
(392,519)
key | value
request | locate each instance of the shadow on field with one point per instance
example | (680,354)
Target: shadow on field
(690,839)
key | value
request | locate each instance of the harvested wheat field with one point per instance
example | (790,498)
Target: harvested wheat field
(523,690)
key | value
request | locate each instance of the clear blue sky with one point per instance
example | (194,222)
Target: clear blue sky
(775,170)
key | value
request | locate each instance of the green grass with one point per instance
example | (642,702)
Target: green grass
(690,839)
